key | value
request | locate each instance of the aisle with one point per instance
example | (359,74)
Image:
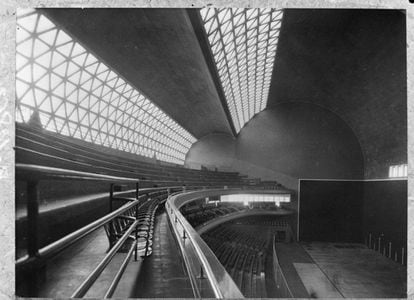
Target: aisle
(162,274)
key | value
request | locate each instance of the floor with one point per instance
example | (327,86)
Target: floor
(289,254)
(160,275)
(339,270)
(359,272)
(69,269)
(163,273)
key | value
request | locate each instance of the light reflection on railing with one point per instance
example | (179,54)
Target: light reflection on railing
(208,277)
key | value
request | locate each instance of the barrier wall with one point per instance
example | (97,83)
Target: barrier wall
(281,283)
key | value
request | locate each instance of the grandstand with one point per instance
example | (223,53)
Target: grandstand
(211,153)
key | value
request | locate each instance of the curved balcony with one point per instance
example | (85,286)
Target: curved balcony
(208,276)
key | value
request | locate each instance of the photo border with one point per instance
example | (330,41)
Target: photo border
(7,102)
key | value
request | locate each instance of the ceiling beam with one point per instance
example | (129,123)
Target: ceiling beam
(202,38)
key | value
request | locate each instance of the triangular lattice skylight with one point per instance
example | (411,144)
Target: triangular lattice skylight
(243,43)
(77,95)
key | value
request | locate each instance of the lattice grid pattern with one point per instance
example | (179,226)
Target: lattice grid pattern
(77,95)
(243,43)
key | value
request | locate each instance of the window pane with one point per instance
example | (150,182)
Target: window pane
(397,171)
(243,43)
(57,65)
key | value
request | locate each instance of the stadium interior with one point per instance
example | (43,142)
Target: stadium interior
(211,153)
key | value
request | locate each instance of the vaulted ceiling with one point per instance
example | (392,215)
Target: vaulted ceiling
(351,62)
(157,51)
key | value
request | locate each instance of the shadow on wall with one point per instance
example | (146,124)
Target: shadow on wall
(290,141)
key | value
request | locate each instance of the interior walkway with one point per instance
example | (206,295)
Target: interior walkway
(160,275)
(288,254)
(66,271)
(163,274)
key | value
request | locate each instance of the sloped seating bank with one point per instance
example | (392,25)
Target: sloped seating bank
(244,247)
(40,147)
(63,192)
(200,214)
(68,203)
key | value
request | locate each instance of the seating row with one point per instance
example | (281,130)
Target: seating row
(64,150)
(143,232)
(201,214)
(243,255)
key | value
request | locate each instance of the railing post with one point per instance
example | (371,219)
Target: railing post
(136,219)
(201,276)
(402,255)
(379,244)
(389,249)
(137,190)
(369,243)
(111,195)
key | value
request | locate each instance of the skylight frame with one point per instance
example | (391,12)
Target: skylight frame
(78,95)
(239,38)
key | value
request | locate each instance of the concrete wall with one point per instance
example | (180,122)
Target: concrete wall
(348,211)
(290,141)
(352,62)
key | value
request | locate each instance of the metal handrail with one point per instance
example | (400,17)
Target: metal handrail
(87,283)
(44,172)
(120,272)
(205,264)
(37,257)
(59,245)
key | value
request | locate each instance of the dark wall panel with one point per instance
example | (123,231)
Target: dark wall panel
(330,211)
(385,213)
(347,211)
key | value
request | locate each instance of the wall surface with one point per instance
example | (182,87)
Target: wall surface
(330,211)
(348,211)
(290,141)
(352,62)
(385,213)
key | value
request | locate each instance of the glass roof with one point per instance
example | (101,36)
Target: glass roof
(77,95)
(243,43)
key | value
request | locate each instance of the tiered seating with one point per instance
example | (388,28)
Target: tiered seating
(270,185)
(242,251)
(42,148)
(281,227)
(262,221)
(145,228)
(80,198)
(38,147)
(200,214)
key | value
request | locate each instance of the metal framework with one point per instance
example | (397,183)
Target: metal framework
(77,95)
(243,43)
